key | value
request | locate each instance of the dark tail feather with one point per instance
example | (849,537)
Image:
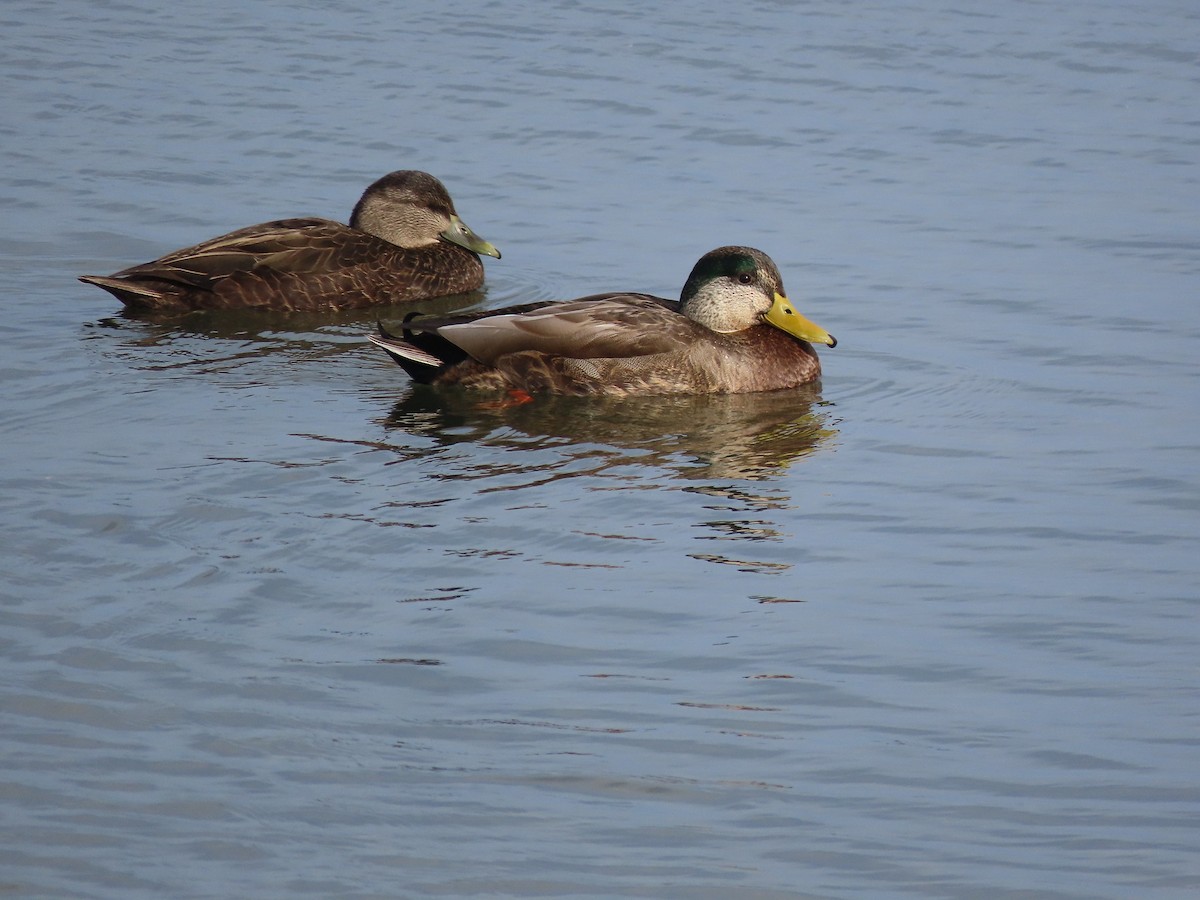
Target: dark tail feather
(134,294)
(421,365)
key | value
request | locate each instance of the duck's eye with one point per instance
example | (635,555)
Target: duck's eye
(745,278)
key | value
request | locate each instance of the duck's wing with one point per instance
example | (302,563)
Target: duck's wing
(287,246)
(596,327)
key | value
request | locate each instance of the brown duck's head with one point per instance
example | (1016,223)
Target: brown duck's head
(413,209)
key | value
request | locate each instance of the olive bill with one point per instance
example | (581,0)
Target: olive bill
(459,233)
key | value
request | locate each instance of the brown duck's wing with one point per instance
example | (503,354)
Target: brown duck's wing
(296,246)
(601,326)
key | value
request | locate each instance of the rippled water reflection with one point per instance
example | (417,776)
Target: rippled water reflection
(277,623)
(742,436)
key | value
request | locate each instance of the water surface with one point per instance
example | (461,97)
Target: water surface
(277,623)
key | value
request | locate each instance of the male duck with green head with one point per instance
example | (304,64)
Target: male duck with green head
(732,331)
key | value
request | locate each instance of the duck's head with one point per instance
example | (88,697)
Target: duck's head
(734,288)
(413,209)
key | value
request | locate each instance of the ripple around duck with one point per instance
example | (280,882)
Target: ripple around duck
(906,386)
(226,341)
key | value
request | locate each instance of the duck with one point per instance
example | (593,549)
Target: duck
(733,330)
(405,243)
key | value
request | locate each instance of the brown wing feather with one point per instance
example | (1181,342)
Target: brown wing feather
(603,326)
(283,241)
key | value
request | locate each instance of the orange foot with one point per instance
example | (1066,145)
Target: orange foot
(516,397)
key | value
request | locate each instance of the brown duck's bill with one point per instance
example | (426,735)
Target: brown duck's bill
(784,317)
(459,233)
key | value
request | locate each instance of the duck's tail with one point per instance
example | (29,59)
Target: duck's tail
(134,294)
(421,365)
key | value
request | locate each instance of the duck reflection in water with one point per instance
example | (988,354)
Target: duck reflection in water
(748,436)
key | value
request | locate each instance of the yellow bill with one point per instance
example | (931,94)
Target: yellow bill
(784,317)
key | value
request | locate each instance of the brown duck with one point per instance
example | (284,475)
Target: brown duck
(732,331)
(404,243)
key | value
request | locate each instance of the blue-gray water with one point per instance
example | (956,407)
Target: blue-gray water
(276,625)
